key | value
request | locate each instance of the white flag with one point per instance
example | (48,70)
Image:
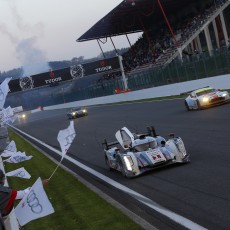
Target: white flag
(65,138)
(21,172)
(8,115)
(9,150)
(4,89)
(13,119)
(34,205)
(18,157)
(1,116)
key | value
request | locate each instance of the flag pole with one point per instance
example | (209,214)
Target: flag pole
(55,170)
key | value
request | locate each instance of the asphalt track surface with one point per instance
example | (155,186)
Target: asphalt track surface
(198,191)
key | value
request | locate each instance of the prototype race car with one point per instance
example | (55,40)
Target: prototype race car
(206,97)
(142,152)
(77,112)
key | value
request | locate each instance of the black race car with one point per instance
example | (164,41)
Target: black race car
(77,112)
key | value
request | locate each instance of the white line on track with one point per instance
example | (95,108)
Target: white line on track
(144,200)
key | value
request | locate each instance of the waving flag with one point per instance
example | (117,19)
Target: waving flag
(4,89)
(65,138)
(21,172)
(8,115)
(18,157)
(8,112)
(9,150)
(12,119)
(34,205)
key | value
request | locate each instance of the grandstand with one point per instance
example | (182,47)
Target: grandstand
(170,29)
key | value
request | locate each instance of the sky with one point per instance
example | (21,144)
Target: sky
(39,31)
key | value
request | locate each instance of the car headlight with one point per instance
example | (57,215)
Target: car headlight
(128,162)
(224,94)
(73,113)
(205,99)
(22,116)
(180,146)
(84,111)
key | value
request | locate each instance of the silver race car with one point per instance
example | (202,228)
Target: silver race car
(133,154)
(77,112)
(205,97)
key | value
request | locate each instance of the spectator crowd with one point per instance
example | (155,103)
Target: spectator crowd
(155,42)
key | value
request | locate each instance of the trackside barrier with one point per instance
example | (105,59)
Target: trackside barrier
(11,221)
(219,82)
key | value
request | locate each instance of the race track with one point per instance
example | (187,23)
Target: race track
(198,191)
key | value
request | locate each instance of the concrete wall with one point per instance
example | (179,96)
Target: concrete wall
(220,82)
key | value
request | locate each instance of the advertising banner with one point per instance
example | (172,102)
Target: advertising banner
(66,74)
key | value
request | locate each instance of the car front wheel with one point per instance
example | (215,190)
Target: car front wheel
(186,105)
(198,105)
(122,169)
(107,163)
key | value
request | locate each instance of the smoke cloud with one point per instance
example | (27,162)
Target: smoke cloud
(32,59)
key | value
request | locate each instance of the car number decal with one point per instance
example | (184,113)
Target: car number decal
(155,155)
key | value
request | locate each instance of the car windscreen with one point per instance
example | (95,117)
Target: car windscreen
(145,146)
(75,109)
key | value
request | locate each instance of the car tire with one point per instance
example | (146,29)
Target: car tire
(122,168)
(186,105)
(198,105)
(107,163)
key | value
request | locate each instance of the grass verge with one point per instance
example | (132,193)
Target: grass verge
(76,206)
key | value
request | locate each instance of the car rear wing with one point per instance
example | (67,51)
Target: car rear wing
(150,132)
(107,145)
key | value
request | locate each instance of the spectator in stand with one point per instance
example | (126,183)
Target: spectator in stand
(147,50)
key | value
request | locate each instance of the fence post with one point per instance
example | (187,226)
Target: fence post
(123,73)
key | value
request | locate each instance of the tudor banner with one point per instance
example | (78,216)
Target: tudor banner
(79,71)
(66,74)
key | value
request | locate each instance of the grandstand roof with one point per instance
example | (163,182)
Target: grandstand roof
(129,18)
